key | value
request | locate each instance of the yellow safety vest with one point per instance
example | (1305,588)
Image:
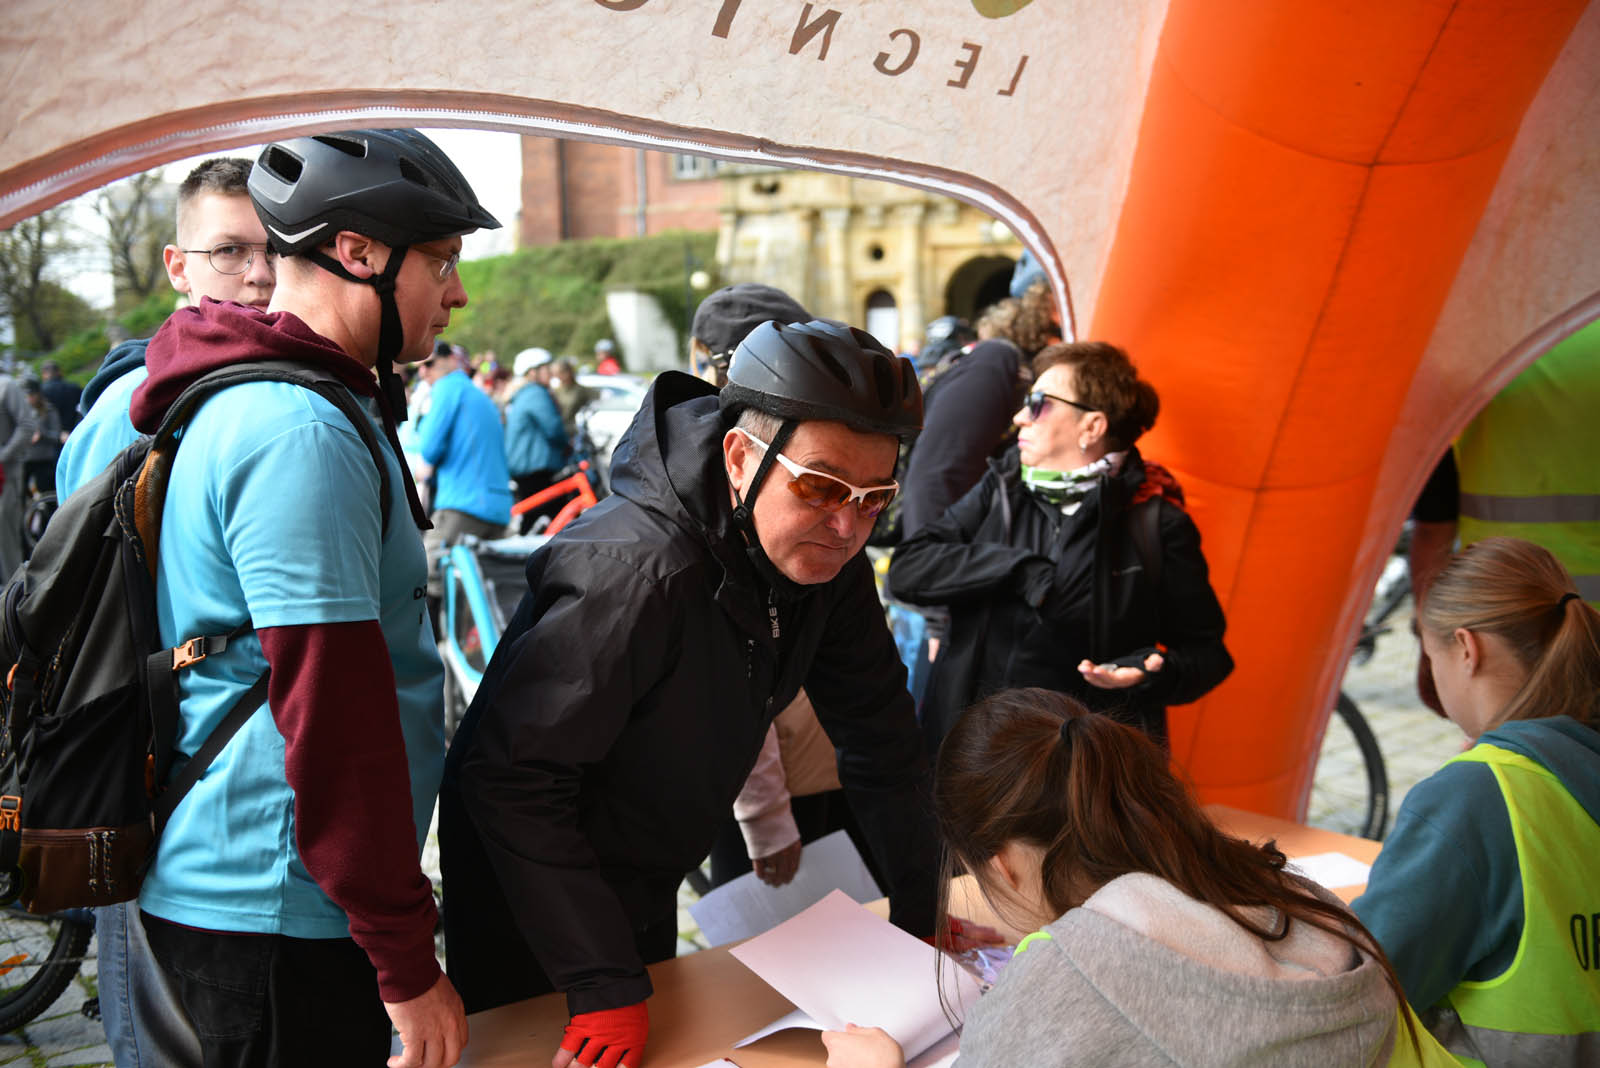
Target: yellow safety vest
(1544,1009)
(1427,1053)
(1528,463)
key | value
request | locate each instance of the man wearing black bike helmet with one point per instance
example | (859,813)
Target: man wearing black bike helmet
(286,904)
(660,634)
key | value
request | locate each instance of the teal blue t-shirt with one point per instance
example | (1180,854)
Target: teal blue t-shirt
(272,514)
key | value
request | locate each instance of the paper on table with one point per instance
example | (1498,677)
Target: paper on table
(1332,869)
(746,906)
(839,963)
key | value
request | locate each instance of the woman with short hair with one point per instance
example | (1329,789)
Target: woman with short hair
(1072,565)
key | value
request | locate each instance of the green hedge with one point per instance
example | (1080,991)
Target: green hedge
(81,354)
(555,296)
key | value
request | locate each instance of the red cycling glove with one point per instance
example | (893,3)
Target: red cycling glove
(612,1035)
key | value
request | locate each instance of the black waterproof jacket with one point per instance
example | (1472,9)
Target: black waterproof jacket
(628,700)
(1032,592)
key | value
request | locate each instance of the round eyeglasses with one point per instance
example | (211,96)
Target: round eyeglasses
(234,257)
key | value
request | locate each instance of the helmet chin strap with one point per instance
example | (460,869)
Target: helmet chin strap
(783,587)
(391,337)
(391,333)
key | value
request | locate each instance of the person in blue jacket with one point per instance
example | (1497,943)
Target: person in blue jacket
(463,445)
(536,438)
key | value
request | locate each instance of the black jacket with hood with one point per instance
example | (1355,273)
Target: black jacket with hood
(628,700)
(1032,592)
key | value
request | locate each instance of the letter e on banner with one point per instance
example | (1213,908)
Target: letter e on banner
(966,66)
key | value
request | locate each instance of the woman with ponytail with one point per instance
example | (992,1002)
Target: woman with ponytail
(1160,940)
(1487,894)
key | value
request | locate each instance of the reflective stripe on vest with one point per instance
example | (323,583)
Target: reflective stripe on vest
(1545,1007)
(1527,462)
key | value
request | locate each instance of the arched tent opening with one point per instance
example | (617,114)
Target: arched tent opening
(1321,232)
(976,284)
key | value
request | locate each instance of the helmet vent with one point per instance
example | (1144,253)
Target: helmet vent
(283,165)
(830,362)
(413,173)
(883,377)
(357,149)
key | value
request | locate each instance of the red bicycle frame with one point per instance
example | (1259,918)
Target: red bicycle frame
(577,482)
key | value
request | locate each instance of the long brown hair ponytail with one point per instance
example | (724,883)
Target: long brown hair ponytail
(1520,592)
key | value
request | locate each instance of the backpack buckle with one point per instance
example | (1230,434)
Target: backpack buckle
(10,813)
(190,652)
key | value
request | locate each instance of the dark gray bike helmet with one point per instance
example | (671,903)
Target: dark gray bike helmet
(394,185)
(825,370)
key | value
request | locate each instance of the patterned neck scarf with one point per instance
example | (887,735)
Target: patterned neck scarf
(1067,489)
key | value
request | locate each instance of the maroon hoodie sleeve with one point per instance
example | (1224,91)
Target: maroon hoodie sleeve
(332,693)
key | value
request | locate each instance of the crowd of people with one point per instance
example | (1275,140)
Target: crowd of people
(701,666)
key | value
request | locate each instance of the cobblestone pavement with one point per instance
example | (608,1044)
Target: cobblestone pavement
(1414,743)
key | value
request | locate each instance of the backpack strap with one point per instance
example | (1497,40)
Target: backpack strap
(1144,527)
(148,496)
(307,377)
(251,700)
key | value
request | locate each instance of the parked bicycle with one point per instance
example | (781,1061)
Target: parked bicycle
(39,955)
(1361,781)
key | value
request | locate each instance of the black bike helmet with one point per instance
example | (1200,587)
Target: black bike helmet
(393,185)
(825,370)
(944,337)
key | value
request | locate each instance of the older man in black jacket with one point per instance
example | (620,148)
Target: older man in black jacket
(660,635)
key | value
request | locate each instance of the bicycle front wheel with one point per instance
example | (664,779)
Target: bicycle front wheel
(39,955)
(1350,791)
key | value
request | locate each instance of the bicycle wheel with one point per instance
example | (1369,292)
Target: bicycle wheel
(1350,791)
(39,955)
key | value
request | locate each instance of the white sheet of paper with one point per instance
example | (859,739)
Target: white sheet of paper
(1332,869)
(746,906)
(838,963)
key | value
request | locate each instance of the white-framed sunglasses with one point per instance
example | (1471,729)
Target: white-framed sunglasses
(828,492)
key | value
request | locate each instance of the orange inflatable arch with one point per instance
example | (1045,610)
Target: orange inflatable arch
(1328,233)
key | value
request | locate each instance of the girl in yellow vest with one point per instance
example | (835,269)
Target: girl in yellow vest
(1487,895)
(1163,941)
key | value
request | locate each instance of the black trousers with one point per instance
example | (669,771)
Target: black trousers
(263,1001)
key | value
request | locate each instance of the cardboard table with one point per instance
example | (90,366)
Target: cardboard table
(707,1001)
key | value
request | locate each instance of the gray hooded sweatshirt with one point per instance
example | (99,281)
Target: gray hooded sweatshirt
(1144,975)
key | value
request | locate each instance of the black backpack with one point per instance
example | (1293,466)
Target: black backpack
(91,697)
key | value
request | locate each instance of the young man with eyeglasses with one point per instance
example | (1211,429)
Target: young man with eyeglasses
(286,904)
(660,635)
(219,253)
